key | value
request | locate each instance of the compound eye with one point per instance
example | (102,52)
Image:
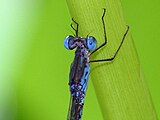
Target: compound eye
(68,43)
(91,43)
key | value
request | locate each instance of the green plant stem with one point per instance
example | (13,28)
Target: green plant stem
(119,85)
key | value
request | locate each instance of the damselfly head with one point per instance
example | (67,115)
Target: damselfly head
(71,42)
(91,43)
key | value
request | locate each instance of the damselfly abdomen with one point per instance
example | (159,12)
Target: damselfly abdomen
(80,68)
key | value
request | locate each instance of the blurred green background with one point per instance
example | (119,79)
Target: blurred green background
(34,65)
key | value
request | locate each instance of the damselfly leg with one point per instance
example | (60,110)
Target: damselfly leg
(75,29)
(103,44)
(105,36)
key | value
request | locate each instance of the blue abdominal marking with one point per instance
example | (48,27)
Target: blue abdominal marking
(80,67)
(79,90)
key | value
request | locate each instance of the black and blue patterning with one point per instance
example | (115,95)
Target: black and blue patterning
(80,67)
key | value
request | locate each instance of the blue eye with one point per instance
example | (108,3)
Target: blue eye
(68,42)
(91,43)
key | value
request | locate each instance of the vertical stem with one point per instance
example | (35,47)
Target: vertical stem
(120,86)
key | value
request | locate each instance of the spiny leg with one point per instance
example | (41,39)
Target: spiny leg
(105,36)
(75,29)
(112,58)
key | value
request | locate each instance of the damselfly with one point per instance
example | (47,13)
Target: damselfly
(80,67)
